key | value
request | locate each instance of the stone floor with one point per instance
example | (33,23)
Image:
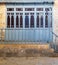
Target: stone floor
(28,61)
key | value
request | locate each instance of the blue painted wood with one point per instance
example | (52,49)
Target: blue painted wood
(29,35)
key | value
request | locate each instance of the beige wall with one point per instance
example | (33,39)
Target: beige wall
(2,15)
(55,12)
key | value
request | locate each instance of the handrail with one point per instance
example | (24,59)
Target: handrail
(55,45)
(55,34)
